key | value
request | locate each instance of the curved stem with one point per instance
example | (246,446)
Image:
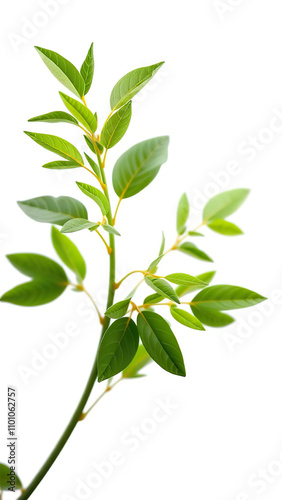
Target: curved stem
(76,417)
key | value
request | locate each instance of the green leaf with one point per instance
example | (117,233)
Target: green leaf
(184,279)
(93,165)
(61,165)
(186,318)
(49,280)
(80,112)
(4,478)
(73,225)
(222,226)
(87,69)
(38,267)
(205,278)
(154,265)
(53,210)
(154,298)
(33,293)
(224,204)
(55,117)
(140,360)
(160,342)
(163,288)
(63,70)
(139,165)
(117,348)
(195,233)
(119,309)
(96,196)
(209,303)
(57,145)
(115,128)
(89,143)
(69,253)
(226,297)
(182,214)
(110,229)
(191,249)
(130,84)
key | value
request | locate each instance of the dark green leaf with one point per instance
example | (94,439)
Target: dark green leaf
(55,117)
(160,342)
(115,128)
(130,84)
(205,279)
(73,225)
(191,249)
(96,196)
(224,204)
(163,288)
(140,360)
(4,478)
(118,347)
(61,165)
(118,310)
(184,279)
(80,112)
(63,70)
(69,253)
(87,69)
(138,166)
(222,226)
(186,318)
(57,145)
(110,229)
(182,214)
(53,210)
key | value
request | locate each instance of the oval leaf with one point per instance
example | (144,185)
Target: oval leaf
(118,347)
(96,196)
(182,214)
(226,298)
(191,249)
(63,70)
(115,128)
(138,166)
(211,317)
(205,278)
(184,279)
(53,210)
(160,342)
(69,253)
(224,227)
(57,145)
(186,318)
(38,267)
(34,293)
(73,225)
(163,288)
(81,112)
(224,204)
(130,84)
(118,310)
(87,69)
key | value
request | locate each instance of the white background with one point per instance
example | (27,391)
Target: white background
(221,87)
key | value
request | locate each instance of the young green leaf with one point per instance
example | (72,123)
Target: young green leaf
(117,348)
(191,249)
(162,287)
(53,210)
(96,196)
(224,204)
(224,227)
(87,69)
(138,166)
(195,233)
(226,297)
(110,229)
(182,214)
(211,317)
(154,265)
(205,278)
(130,84)
(186,318)
(5,477)
(89,143)
(119,309)
(93,165)
(34,293)
(153,299)
(55,117)
(61,165)
(69,253)
(140,360)
(160,342)
(80,112)
(115,128)
(63,70)
(184,279)
(37,266)
(73,225)
(57,145)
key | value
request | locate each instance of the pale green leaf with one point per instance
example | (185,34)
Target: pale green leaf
(87,69)
(55,117)
(162,287)
(224,227)
(205,278)
(182,214)
(73,225)
(80,112)
(53,210)
(184,279)
(140,360)
(69,253)
(186,318)
(61,165)
(226,297)
(57,145)
(96,196)
(93,165)
(224,204)
(115,128)
(193,251)
(110,229)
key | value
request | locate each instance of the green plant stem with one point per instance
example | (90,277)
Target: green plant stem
(76,417)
